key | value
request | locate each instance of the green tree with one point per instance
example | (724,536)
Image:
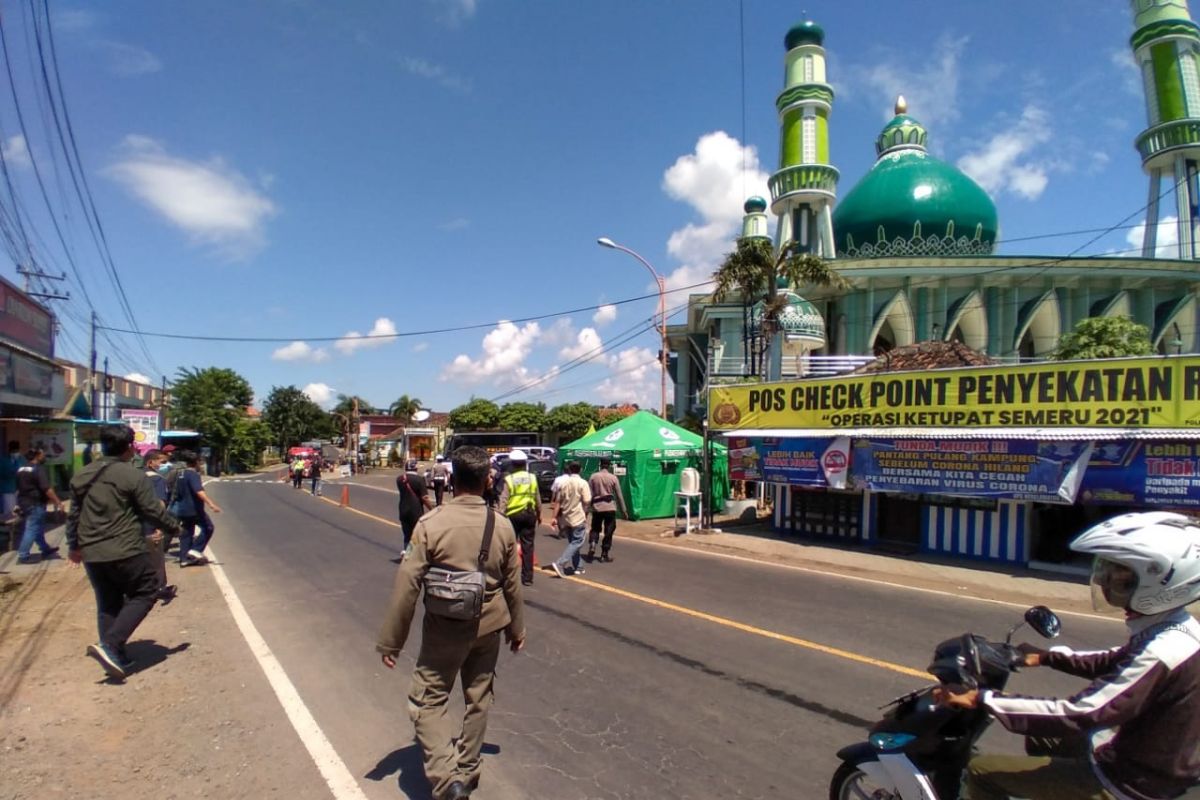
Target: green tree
(210,401)
(752,271)
(1104,337)
(571,420)
(345,406)
(292,417)
(522,416)
(475,415)
(250,438)
(404,407)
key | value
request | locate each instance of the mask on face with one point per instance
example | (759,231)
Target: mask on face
(163,469)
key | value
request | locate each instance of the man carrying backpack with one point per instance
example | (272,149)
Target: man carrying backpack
(187,502)
(414,501)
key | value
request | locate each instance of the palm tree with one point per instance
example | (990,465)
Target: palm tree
(751,271)
(404,408)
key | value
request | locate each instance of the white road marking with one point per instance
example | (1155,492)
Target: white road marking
(341,783)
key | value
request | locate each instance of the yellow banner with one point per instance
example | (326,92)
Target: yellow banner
(1161,392)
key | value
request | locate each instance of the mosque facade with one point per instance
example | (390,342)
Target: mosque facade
(915,239)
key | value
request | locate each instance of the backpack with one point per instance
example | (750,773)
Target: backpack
(181,502)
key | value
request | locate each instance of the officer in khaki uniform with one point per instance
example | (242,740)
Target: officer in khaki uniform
(450,536)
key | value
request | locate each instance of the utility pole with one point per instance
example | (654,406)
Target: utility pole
(92,367)
(28,274)
(106,395)
(162,402)
(354,427)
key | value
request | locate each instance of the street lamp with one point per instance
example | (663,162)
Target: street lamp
(604,241)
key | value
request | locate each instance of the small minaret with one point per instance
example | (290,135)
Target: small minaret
(804,188)
(1166,46)
(754,222)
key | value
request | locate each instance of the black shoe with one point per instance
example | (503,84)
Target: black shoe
(457,790)
(167,593)
(29,559)
(606,559)
(527,583)
(50,552)
(109,660)
(590,557)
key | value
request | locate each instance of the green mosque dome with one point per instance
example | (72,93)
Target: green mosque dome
(755,205)
(799,319)
(912,204)
(807,32)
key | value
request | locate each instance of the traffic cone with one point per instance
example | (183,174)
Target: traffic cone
(345,496)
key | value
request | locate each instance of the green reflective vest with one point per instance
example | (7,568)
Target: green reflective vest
(522,492)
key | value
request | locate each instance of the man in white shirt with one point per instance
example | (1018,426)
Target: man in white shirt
(571,499)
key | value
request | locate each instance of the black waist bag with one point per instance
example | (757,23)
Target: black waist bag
(455,594)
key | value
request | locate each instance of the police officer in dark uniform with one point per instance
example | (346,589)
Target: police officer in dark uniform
(450,536)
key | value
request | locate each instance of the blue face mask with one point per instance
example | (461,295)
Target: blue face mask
(164,468)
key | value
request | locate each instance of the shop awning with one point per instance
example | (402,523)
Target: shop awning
(1043,434)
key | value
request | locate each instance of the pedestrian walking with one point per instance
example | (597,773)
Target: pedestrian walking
(521,502)
(441,477)
(9,465)
(156,540)
(33,493)
(188,501)
(314,474)
(297,472)
(571,500)
(110,502)
(462,535)
(607,498)
(414,501)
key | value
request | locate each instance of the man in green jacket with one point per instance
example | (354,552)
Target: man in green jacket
(110,500)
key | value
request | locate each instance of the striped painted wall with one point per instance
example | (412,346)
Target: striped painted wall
(999,535)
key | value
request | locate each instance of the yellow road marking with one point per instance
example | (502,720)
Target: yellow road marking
(728,623)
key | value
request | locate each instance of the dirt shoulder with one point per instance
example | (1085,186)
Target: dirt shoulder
(197,718)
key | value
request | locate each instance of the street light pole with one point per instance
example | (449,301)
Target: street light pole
(604,241)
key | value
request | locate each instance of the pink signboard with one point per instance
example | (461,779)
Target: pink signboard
(145,428)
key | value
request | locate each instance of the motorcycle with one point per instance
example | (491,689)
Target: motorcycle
(919,750)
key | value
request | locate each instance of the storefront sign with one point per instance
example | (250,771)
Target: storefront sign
(25,323)
(1159,392)
(796,462)
(1144,473)
(54,438)
(145,428)
(1047,472)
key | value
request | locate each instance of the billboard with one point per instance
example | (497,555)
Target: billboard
(1161,392)
(25,323)
(145,428)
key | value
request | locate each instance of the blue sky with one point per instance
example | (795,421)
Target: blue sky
(300,170)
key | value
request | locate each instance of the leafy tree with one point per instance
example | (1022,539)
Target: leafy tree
(476,415)
(522,416)
(345,406)
(1104,337)
(751,272)
(250,438)
(292,417)
(211,401)
(571,420)
(404,407)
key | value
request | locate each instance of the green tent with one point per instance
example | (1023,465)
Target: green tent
(649,454)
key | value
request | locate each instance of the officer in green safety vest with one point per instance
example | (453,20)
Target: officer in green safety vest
(521,502)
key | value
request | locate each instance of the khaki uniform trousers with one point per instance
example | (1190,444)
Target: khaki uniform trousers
(1032,778)
(449,650)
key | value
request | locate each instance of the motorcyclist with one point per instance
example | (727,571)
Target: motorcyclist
(1141,714)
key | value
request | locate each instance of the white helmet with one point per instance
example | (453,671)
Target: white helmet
(1148,562)
(518,455)
(439,457)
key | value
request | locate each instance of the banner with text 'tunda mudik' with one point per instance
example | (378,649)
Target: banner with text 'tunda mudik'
(1161,392)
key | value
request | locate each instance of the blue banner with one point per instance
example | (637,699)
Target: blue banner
(1163,474)
(1003,469)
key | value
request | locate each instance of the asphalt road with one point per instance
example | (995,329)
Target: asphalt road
(668,673)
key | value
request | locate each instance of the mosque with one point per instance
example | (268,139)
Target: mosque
(915,240)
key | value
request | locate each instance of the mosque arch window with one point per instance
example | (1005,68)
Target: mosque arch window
(894,325)
(968,322)
(1175,321)
(808,138)
(1150,89)
(1039,327)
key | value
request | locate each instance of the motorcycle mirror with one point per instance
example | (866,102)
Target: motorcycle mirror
(1044,621)
(970,656)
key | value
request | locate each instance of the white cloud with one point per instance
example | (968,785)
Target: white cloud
(138,377)
(604,315)
(210,200)
(322,394)
(587,346)
(128,60)
(1166,244)
(300,351)
(384,330)
(434,72)
(420,347)
(1131,76)
(502,360)
(931,91)
(1006,163)
(456,224)
(711,180)
(74,20)
(16,151)
(636,378)
(560,334)
(455,12)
